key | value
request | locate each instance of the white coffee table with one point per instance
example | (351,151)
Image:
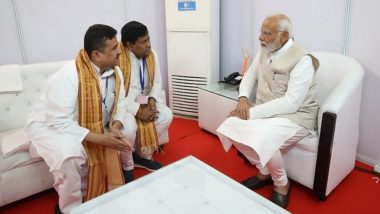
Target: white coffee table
(187,186)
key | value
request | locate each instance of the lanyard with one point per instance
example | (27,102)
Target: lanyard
(105,96)
(142,75)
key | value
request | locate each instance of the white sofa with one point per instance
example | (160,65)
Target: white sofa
(20,174)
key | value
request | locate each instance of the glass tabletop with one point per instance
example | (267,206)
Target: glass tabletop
(222,89)
(184,187)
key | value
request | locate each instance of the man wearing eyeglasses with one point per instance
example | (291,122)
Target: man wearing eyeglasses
(284,109)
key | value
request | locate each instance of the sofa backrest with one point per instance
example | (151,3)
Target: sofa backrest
(15,106)
(336,73)
(333,68)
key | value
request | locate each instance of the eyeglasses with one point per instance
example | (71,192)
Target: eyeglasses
(268,33)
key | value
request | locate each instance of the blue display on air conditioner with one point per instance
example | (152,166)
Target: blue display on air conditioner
(186,5)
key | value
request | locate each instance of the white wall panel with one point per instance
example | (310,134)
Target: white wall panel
(54,29)
(235,34)
(10,48)
(364,43)
(319,25)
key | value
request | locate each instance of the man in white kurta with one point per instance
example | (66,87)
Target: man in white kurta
(283,111)
(53,125)
(135,38)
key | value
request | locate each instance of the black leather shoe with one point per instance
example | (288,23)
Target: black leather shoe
(57,210)
(128,176)
(161,148)
(244,158)
(280,199)
(255,183)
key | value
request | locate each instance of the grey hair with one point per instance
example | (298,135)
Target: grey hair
(285,24)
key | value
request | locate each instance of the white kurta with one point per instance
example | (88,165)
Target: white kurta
(53,123)
(265,136)
(263,132)
(135,85)
(165,115)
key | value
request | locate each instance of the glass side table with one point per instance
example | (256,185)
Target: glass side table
(215,102)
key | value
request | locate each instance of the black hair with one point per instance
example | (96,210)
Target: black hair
(132,31)
(96,37)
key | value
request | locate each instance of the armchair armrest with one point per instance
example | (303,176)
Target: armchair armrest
(338,134)
(346,88)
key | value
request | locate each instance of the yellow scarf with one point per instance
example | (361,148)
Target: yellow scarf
(147,138)
(104,167)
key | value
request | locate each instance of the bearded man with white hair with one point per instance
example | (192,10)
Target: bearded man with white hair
(283,112)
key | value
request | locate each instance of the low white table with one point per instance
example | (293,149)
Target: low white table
(187,186)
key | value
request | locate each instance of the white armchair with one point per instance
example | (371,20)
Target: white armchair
(321,162)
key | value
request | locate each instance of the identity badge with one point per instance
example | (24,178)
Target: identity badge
(141,99)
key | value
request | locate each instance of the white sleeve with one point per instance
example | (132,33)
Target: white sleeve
(134,90)
(300,81)
(132,105)
(121,102)
(61,96)
(249,80)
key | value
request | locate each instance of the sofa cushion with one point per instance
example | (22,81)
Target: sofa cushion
(13,141)
(14,150)
(309,143)
(17,160)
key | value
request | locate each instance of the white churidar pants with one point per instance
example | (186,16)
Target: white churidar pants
(261,140)
(67,162)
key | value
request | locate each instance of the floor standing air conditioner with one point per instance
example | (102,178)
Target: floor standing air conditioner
(192,29)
